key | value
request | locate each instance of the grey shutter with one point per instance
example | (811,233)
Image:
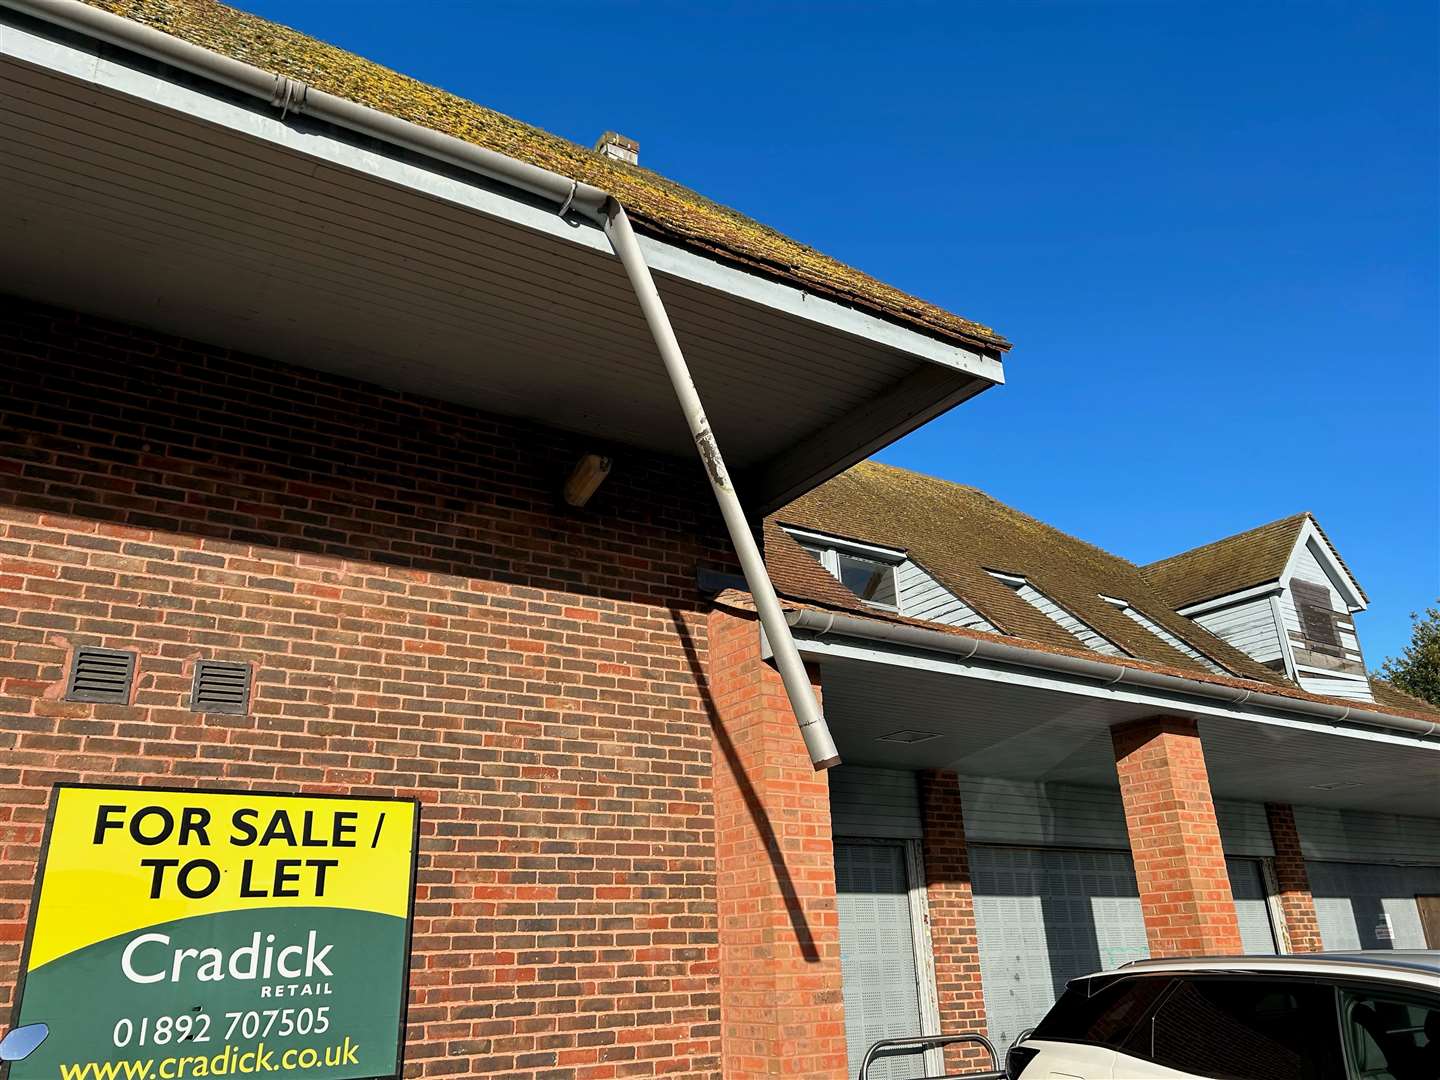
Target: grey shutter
(102,676)
(1044,916)
(1358,904)
(877,955)
(866,801)
(1252,908)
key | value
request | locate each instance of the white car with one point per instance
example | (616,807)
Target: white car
(1323,1016)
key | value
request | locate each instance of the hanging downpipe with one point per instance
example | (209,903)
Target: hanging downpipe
(292,97)
(813,728)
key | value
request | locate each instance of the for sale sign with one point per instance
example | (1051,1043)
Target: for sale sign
(193,934)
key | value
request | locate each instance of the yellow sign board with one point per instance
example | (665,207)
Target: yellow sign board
(239,931)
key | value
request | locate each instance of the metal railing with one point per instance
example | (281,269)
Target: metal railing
(927,1042)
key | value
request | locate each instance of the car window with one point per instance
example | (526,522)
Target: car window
(1391,1037)
(1101,1011)
(1243,1029)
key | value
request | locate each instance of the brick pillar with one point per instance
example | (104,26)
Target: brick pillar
(1179,866)
(952,914)
(1296,901)
(781,1009)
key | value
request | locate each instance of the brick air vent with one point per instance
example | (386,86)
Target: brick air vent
(101,675)
(221,686)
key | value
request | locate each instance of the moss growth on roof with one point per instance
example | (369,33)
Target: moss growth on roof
(656,205)
(959,533)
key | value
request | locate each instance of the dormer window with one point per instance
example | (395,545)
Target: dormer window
(871,581)
(867,570)
(1082,631)
(1175,642)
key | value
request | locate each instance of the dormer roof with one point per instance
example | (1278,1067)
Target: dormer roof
(1246,560)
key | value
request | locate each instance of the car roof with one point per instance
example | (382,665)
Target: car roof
(1400,965)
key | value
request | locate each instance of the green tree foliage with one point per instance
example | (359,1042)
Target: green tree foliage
(1417,669)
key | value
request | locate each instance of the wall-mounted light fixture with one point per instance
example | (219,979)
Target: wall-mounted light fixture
(589,473)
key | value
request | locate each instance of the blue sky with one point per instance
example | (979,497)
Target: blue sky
(1210,229)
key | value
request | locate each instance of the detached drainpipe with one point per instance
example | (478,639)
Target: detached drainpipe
(291,95)
(823,754)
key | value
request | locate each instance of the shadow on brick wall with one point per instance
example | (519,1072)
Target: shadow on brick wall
(108,423)
(754,804)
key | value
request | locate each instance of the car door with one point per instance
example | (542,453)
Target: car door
(1390,1034)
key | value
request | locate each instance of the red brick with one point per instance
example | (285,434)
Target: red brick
(952,915)
(399,573)
(782,1008)
(1179,865)
(1302,927)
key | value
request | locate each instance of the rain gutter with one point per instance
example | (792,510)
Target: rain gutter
(822,623)
(293,96)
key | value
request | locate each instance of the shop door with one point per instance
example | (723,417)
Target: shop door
(1252,906)
(887,980)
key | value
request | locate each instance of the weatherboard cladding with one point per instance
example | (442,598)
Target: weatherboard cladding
(1339,835)
(1250,626)
(960,534)
(922,597)
(657,205)
(867,801)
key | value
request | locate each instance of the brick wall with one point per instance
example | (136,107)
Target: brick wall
(1302,926)
(952,914)
(779,925)
(1179,865)
(424,620)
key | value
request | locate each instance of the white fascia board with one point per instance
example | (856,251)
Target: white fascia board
(821,649)
(1270,588)
(1310,537)
(687,265)
(850,547)
(76,60)
(1011,579)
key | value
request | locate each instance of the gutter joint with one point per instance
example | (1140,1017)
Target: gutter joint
(289,95)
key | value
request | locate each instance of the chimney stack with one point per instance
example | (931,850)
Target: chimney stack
(614,145)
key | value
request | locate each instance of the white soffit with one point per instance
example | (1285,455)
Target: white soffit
(1120,694)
